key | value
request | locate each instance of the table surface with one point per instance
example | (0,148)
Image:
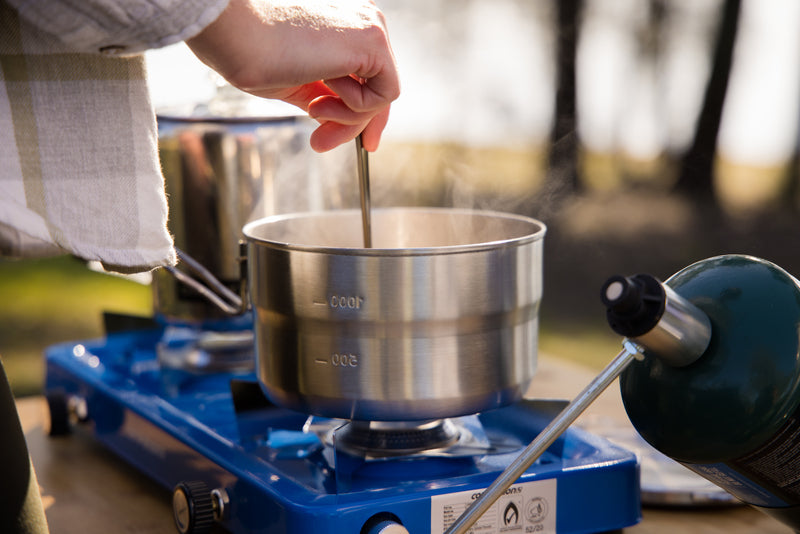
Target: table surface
(86,489)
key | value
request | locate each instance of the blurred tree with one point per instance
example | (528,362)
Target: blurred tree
(696,171)
(564,146)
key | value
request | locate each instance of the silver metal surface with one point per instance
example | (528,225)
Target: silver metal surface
(362,158)
(438,319)
(471,440)
(546,438)
(206,284)
(220,173)
(682,334)
(199,350)
(370,439)
(221,502)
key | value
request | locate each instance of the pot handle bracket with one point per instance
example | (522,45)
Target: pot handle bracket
(207,285)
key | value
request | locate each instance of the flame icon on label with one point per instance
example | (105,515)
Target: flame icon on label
(511,514)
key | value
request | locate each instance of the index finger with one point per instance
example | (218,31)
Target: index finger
(370,93)
(302,95)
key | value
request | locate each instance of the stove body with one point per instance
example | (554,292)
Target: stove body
(216,428)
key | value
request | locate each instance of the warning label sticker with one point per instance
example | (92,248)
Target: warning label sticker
(524,508)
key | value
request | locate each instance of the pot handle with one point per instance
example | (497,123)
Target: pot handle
(207,285)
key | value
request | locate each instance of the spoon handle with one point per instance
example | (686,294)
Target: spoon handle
(363,186)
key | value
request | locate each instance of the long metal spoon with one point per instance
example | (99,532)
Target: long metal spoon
(362,159)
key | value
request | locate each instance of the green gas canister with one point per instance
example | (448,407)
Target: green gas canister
(722,394)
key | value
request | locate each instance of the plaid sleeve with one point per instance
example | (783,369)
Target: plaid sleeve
(78,153)
(119,27)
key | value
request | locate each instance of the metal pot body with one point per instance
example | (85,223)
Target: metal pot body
(221,173)
(439,319)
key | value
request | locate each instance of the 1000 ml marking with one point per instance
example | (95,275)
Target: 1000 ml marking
(340,360)
(347,302)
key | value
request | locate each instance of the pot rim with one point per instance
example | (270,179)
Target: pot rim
(538,232)
(220,119)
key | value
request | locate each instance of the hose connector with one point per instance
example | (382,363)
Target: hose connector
(656,318)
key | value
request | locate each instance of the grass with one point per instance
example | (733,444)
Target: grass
(48,301)
(591,346)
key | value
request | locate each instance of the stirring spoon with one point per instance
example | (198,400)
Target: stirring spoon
(363,186)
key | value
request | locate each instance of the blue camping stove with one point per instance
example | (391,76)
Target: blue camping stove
(239,462)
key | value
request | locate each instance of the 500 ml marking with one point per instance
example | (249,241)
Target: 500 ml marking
(340,360)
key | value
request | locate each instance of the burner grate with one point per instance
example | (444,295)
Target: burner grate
(383,438)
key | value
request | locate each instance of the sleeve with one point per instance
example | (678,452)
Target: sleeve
(119,27)
(79,168)
(22,508)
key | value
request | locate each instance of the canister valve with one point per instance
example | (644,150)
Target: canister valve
(656,318)
(634,304)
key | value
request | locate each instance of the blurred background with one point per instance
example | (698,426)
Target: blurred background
(646,134)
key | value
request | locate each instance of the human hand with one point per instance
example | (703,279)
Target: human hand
(332,59)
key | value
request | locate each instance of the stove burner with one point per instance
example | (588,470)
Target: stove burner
(378,438)
(206,351)
(461,437)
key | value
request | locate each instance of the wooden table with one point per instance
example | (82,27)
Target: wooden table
(88,490)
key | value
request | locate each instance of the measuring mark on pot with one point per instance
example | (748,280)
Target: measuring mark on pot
(346,302)
(339,360)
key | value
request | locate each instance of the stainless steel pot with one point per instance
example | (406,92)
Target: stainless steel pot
(223,167)
(439,319)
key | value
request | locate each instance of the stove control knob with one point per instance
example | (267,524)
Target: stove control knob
(192,508)
(387,527)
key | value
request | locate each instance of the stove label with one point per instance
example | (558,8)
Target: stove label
(529,507)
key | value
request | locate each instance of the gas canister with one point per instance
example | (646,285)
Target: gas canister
(731,413)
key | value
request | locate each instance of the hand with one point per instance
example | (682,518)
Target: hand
(332,59)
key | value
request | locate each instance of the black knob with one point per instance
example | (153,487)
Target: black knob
(192,508)
(634,304)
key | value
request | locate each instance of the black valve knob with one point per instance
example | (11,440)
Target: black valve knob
(634,304)
(192,508)
(656,318)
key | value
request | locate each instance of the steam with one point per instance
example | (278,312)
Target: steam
(472,127)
